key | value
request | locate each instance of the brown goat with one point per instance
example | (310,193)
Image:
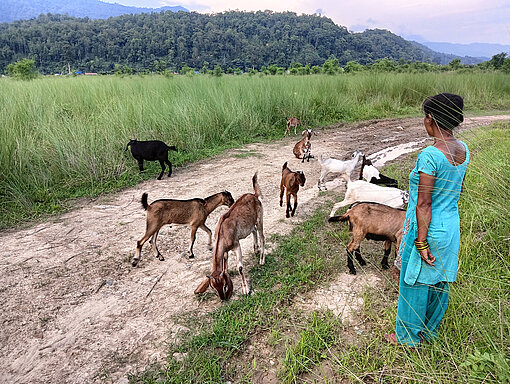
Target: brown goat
(193,212)
(243,218)
(303,147)
(292,122)
(372,221)
(290,182)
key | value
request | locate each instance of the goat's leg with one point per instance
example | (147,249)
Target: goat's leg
(387,251)
(360,258)
(295,204)
(162,163)
(192,241)
(246,288)
(139,244)
(282,189)
(260,230)
(203,227)
(155,249)
(169,167)
(288,205)
(321,181)
(140,165)
(353,244)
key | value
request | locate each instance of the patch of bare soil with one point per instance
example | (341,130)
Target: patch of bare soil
(74,310)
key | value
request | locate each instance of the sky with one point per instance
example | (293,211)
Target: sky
(452,21)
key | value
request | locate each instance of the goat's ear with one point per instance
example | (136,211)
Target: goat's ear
(303,133)
(203,286)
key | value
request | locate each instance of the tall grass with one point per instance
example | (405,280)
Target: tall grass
(64,137)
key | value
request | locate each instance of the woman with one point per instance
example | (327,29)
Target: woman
(431,236)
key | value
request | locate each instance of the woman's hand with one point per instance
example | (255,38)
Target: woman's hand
(427,256)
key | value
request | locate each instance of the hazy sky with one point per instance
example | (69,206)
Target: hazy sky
(453,21)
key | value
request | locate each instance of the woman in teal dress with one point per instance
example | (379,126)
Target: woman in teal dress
(431,236)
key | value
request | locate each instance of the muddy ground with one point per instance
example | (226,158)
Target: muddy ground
(74,310)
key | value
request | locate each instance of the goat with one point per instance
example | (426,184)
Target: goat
(243,218)
(290,182)
(360,190)
(372,175)
(193,212)
(372,221)
(338,166)
(292,122)
(303,147)
(151,150)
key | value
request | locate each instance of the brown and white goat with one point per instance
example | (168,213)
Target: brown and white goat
(290,182)
(303,147)
(193,212)
(372,221)
(243,217)
(292,122)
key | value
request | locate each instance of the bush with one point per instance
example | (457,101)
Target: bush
(23,70)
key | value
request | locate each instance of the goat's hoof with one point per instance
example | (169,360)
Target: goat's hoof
(134,263)
(287,215)
(161,258)
(159,178)
(385,266)
(192,256)
(210,248)
(362,262)
(352,271)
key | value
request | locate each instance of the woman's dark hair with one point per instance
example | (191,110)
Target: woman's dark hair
(446,109)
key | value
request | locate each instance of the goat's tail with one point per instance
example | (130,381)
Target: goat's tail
(344,217)
(284,166)
(144,201)
(256,187)
(171,147)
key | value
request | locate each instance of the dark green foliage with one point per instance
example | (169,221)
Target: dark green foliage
(245,40)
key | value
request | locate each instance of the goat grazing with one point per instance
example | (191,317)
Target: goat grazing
(243,218)
(303,147)
(372,175)
(292,122)
(372,221)
(193,212)
(338,166)
(291,182)
(360,190)
(151,150)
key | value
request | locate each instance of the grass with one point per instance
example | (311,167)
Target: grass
(63,138)
(474,339)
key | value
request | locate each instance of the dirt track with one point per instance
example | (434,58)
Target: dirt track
(73,308)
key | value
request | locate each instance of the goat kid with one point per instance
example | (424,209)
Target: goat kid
(372,221)
(303,147)
(243,217)
(372,174)
(193,212)
(331,165)
(362,191)
(292,122)
(290,182)
(151,150)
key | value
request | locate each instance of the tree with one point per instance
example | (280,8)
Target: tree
(218,71)
(23,70)
(498,60)
(353,66)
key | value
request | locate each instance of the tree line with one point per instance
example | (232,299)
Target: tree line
(173,40)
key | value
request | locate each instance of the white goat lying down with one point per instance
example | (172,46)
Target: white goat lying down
(372,174)
(337,166)
(360,190)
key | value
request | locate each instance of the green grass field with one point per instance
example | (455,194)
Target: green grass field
(63,138)
(244,335)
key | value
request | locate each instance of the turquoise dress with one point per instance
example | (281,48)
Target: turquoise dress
(423,289)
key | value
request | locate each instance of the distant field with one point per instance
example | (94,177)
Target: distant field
(64,137)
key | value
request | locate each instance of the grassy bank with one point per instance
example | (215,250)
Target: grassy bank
(266,332)
(63,138)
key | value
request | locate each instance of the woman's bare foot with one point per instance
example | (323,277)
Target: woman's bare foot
(391,338)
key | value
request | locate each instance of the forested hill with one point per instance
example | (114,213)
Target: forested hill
(11,10)
(231,39)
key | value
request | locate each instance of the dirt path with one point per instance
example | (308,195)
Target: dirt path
(73,308)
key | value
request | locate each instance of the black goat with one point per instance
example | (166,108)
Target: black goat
(151,150)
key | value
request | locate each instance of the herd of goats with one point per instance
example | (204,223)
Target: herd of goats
(376,210)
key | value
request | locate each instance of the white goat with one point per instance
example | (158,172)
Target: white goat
(338,166)
(360,190)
